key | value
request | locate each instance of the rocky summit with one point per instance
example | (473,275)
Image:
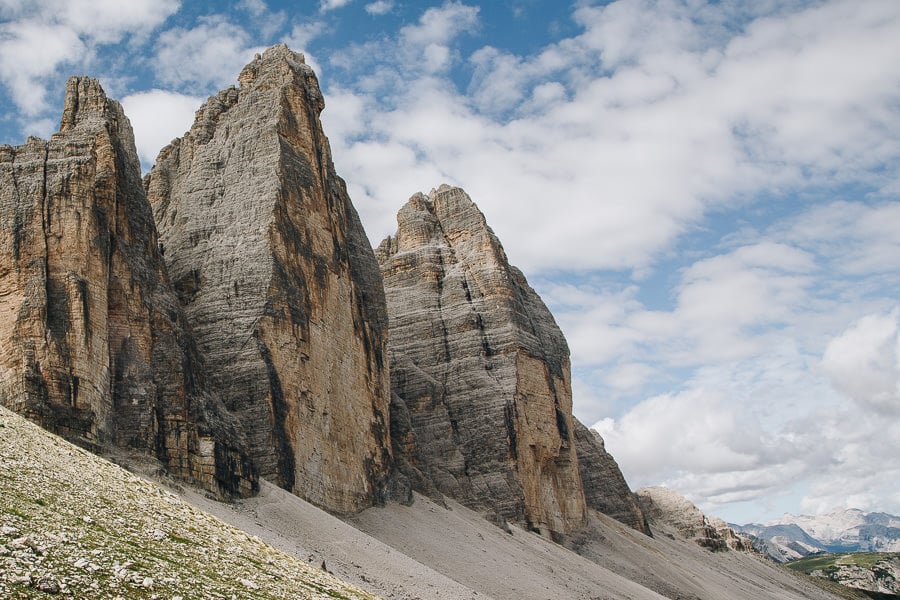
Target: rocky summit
(275,273)
(481,387)
(669,510)
(93,345)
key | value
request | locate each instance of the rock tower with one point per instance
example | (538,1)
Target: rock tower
(93,345)
(276,275)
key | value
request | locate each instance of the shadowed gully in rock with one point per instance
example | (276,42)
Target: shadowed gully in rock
(482,407)
(93,345)
(280,284)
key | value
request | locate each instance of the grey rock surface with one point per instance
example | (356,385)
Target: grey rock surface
(482,407)
(93,345)
(666,508)
(605,488)
(279,282)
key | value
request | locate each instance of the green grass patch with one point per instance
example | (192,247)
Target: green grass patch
(826,562)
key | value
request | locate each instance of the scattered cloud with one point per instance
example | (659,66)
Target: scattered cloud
(208,56)
(380,7)
(439,25)
(38,38)
(158,117)
(326,5)
(863,363)
(302,34)
(648,133)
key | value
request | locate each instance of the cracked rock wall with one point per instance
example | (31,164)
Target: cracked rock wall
(92,342)
(480,370)
(280,284)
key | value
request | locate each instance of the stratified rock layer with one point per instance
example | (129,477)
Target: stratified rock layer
(665,507)
(605,489)
(92,345)
(480,372)
(278,280)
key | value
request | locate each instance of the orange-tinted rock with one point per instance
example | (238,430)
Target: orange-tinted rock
(280,284)
(480,368)
(92,341)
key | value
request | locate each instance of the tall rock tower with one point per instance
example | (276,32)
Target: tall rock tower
(482,398)
(480,373)
(92,342)
(280,284)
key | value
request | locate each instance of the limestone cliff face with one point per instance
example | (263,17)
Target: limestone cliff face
(605,489)
(278,280)
(482,403)
(92,343)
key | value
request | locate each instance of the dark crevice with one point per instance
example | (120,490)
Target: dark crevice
(279,409)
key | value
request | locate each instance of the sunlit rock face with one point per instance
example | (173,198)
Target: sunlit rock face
(93,345)
(275,274)
(605,489)
(666,508)
(481,371)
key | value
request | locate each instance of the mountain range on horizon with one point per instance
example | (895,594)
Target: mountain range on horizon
(791,537)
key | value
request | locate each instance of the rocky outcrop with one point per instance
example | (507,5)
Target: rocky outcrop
(92,341)
(880,574)
(279,282)
(605,489)
(665,508)
(482,401)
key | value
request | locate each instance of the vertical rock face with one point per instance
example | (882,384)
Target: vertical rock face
(482,405)
(278,280)
(605,489)
(92,345)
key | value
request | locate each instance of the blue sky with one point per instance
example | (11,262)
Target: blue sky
(706,194)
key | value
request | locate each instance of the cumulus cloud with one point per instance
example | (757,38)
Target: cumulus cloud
(864,362)
(326,5)
(38,38)
(208,56)
(380,7)
(158,117)
(438,26)
(774,334)
(646,123)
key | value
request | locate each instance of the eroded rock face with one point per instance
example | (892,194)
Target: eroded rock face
(279,282)
(92,342)
(665,507)
(605,489)
(480,371)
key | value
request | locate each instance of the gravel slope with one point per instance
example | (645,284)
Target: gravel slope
(76,526)
(73,525)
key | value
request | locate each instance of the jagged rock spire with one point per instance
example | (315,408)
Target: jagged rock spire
(275,273)
(93,344)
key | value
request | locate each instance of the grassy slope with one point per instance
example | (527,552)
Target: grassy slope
(826,562)
(80,527)
(865,560)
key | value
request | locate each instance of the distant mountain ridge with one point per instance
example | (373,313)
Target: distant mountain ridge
(851,530)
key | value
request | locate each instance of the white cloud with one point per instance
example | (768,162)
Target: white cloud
(303,33)
(645,133)
(326,5)
(441,24)
(864,362)
(158,117)
(38,38)
(379,7)
(208,56)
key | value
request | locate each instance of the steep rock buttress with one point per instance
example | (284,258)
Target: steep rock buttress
(92,341)
(482,401)
(275,274)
